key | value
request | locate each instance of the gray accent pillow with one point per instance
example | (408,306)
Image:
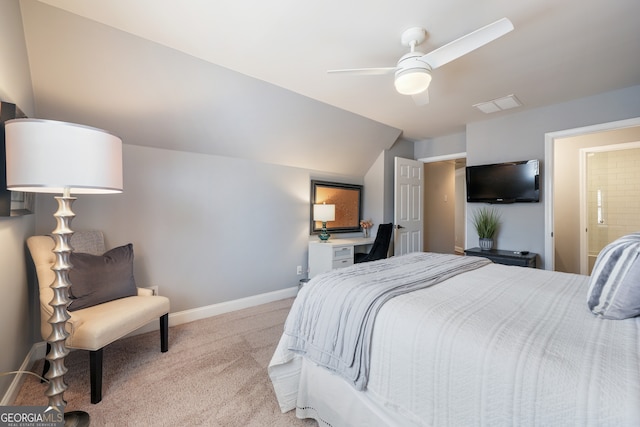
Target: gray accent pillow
(614,287)
(96,279)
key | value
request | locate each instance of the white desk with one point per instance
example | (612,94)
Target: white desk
(334,253)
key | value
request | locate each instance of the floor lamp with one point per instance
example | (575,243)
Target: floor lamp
(45,156)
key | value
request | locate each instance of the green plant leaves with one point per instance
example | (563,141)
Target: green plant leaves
(486,222)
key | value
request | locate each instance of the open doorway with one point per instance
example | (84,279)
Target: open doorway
(609,197)
(444,206)
(562,183)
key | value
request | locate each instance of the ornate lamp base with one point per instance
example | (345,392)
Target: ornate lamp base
(60,286)
(76,419)
(324,236)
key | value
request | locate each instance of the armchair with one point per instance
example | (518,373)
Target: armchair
(92,328)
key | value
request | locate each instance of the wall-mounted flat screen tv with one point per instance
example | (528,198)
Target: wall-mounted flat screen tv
(509,182)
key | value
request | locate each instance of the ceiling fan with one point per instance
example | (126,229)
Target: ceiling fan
(413,70)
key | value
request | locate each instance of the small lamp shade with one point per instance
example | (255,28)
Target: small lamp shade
(46,156)
(324,212)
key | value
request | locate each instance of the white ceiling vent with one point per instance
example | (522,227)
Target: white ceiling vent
(499,104)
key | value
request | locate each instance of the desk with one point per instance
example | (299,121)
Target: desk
(334,253)
(505,257)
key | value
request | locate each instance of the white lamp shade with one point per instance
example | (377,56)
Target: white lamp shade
(46,156)
(412,81)
(324,212)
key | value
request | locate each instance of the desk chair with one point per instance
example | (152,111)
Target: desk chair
(380,245)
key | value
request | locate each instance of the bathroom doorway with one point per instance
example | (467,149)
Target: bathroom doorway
(609,197)
(562,183)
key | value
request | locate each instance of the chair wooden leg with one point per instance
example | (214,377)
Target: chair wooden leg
(95,374)
(47,365)
(164,333)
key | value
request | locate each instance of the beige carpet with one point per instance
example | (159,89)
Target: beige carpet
(214,374)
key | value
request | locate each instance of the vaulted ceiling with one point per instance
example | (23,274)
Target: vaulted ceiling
(248,79)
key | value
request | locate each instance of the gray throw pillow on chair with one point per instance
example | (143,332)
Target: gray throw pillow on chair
(96,279)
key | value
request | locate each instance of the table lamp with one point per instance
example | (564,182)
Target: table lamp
(45,156)
(324,213)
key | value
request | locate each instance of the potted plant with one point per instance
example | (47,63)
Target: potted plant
(486,222)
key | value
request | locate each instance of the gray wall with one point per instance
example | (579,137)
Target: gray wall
(441,146)
(17,325)
(374,193)
(206,229)
(521,136)
(152,95)
(379,185)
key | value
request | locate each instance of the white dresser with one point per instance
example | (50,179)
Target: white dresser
(334,253)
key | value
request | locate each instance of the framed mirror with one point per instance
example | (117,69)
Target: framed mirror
(348,201)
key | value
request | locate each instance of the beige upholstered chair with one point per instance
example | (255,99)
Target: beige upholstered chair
(94,327)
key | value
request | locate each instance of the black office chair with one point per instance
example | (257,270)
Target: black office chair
(380,245)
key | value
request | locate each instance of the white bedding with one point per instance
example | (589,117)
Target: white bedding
(497,346)
(331,321)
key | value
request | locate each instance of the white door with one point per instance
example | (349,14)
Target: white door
(407,206)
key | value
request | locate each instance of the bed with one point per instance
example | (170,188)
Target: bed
(486,344)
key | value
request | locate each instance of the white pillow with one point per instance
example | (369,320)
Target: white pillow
(614,288)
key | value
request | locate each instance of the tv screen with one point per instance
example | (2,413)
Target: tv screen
(510,182)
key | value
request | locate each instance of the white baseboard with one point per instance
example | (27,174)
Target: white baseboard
(229,306)
(38,350)
(186,316)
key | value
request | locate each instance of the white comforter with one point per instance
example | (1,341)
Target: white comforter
(331,322)
(498,346)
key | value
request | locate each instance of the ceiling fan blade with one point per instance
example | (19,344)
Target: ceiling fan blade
(421,98)
(468,43)
(365,71)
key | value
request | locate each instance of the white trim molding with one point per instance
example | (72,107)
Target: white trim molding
(38,351)
(444,157)
(186,316)
(229,306)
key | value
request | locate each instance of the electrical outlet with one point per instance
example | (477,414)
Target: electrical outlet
(299,270)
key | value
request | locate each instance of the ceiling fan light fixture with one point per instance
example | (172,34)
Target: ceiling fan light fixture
(412,81)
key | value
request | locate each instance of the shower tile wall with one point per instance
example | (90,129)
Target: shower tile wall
(616,174)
